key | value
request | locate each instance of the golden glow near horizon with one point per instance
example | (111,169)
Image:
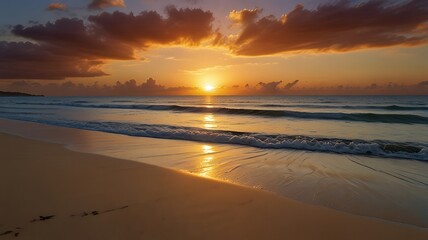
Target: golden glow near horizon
(209,88)
(208,82)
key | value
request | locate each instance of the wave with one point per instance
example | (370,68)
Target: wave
(356,107)
(20,112)
(361,117)
(377,148)
(121,101)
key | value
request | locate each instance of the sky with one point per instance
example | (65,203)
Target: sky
(193,47)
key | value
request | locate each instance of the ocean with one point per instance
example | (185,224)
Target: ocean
(379,126)
(361,154)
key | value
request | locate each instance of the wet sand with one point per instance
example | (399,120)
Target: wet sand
(50,192)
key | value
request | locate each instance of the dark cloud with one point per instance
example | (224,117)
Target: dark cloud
(57,7)
(423,84)
(25,60)
(269,88)
(264,88)
(341,26)
(132,88)
(373,86)
(101,4)
(70,36)
(291,84)
(79,48)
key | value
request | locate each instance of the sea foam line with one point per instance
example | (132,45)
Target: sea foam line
(346,146)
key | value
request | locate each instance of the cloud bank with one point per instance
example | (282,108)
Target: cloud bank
(151,88)
(127,88)
(71,47)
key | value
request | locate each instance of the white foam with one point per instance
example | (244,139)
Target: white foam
(346,146)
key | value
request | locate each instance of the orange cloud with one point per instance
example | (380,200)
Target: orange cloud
(180,26)
(57,7)
(101,4)
(336,27)
(245,16)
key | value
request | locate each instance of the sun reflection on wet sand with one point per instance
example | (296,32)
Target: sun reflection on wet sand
(206,166)
(207,149)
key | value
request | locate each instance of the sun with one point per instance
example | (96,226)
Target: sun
(209,88)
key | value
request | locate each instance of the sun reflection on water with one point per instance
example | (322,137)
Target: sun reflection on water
(209,121)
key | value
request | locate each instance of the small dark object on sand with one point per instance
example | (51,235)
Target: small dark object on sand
(6,233)
(44,218)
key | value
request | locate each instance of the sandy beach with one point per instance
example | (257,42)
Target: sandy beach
(50,192)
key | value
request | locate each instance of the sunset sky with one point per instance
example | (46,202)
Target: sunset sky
(112,47)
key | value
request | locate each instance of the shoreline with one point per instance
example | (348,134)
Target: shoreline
(56,193)
(340,182)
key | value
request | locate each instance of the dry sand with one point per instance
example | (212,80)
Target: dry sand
(49,192)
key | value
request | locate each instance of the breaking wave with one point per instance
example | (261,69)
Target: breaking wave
(361,117)
(356,107)
(334,145)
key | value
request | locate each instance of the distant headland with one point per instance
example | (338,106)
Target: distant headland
(17,94)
